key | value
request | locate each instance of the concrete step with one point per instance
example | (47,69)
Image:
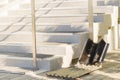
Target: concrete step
(9,5)
(54,18)
(100,28)
(112,2)
(46,27)
(45,1)
(77,10)
(54,27)
(63,3)
(3,3)
(76,3)
(51,15)
(43,37)
(69,18)
(64,10)
(45,62)
(113,11)
(19,12)
(3,13)
(66,51)
(14,19)
(47,48)
(41,1)
(9,19)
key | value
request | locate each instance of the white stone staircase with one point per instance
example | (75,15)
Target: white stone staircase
(62,29)
(115,29)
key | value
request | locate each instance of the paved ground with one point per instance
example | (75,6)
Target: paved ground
(110,71)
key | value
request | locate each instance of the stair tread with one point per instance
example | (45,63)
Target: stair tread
(25,56)
(40,2)
(68,8)
(22,23)
(43,33)
(48,15)
(40,44)
(47,48)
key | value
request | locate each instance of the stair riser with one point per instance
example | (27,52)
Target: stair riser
(46,28)
(49,28)
(61,4)
(50,64)
(5,1)
(100,9)
(112,2)
(41,49)
(2,4)
(74,4)
(41,1)
(54,12)
(41,12)
(55,19)
(17,12)
(15,19)
(69,19)
(68,52)
(75,38)
(57,1)
(28,49)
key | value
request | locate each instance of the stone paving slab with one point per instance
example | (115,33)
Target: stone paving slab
(10,76)
(26,77)
(110,71)
(113,56)
(97,77)
(111,67)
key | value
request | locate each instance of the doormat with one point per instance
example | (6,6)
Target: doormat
(90,60)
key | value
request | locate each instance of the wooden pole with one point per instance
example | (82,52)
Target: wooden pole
(90,19)
(34,35)
(105,2)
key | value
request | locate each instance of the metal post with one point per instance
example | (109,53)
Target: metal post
(90,18)
(34,35)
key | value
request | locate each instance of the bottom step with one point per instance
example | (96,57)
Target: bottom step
(26,61)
